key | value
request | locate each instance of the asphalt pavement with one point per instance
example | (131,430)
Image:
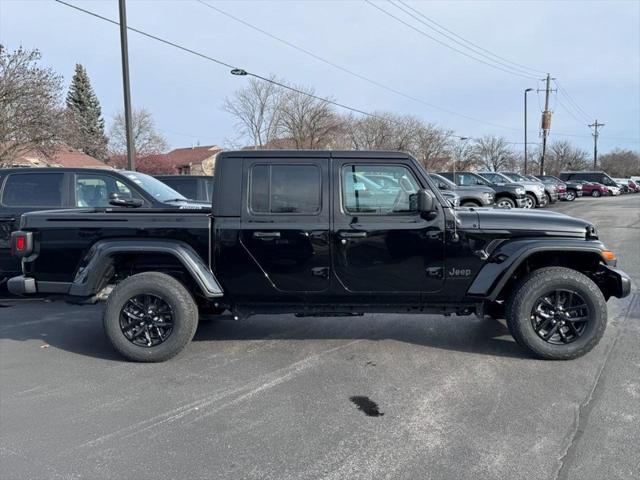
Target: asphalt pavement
(279,397)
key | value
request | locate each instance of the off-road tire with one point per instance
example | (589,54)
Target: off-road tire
(174,293)
(506,202)
(521,301)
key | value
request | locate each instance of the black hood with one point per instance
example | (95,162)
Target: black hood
(545,222)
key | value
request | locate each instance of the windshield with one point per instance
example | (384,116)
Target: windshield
(516,177)
(442,182)
(154,187)
(465,179)
(496,177)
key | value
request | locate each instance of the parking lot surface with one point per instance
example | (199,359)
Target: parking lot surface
(279,397)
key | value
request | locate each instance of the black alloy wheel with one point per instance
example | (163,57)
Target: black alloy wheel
(146,320)
(560,316)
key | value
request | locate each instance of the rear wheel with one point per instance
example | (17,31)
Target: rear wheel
(505,202)
(595,193)
(557,313)
(571,196)
(150,317)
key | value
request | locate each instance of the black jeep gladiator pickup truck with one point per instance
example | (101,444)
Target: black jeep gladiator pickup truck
(323,233)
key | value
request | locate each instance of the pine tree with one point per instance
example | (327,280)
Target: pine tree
(86,122)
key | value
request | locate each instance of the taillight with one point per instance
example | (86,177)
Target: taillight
(21,243)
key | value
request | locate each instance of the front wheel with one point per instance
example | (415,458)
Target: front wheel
(571,196)
(595,193)
(529,201)
(150,317)
(505,202)
(557,313)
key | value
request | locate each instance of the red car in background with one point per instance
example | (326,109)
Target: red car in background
(594,189)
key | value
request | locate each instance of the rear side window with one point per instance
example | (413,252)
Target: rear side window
(283,189)
(33,190)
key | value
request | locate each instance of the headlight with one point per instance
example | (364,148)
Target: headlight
(488,195)
(520,191)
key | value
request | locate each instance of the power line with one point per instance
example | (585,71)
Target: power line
(235,70)
(580,121)
(348,71)
(572,101)
(423,33)
(515,70)
(468,41)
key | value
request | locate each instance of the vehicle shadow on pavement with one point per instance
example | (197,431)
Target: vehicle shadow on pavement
(79,330)
(462,334)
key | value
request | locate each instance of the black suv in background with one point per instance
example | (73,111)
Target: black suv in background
(597,177)
(476,196)
(508,195)
(30,189)
(194,187)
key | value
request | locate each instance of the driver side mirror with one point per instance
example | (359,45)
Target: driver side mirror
(426,201)
(118,201)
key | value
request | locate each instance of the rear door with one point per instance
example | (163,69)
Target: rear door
(23,192)
(383,246)
(285,223)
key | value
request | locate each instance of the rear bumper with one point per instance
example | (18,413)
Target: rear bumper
(618,283)
(21,285)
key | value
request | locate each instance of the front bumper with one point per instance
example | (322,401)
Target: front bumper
(618,283)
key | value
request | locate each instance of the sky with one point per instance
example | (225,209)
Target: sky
(592,48)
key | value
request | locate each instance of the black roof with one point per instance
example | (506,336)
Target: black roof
(62,169)
(312,154)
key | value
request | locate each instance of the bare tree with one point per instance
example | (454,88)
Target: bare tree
(382,131)
(256,108)
(433,146)
(463,155)
(146,139)
(31,114)
(493,153)
(305,121)
(564,156)
(621,163)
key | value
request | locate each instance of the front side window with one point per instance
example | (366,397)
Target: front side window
(33,190)
(282,189)
(96,190)
(378,189)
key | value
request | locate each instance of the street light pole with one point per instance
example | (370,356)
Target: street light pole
(131,154)
(525,128)
(455,157)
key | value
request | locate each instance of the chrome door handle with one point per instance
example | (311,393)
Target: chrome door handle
(266,234)
(353,234)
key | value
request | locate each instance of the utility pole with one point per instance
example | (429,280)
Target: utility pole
(525,129)
(595,134)
(131,154)
(546,121)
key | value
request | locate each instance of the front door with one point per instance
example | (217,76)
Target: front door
(285,225)
(382,244)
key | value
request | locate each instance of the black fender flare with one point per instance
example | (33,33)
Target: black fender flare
(96,264)
(509,255)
